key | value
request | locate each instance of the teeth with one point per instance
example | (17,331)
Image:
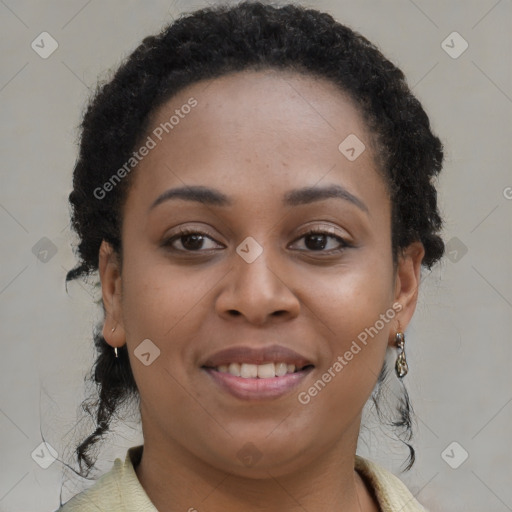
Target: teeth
(234,369)
(253,371)
(265,371)
(249,371)
(281,369)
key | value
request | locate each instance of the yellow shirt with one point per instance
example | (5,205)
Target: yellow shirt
(119,490)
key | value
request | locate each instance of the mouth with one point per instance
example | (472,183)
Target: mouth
(264,373)
(250,361)
(256,382)
(268,370)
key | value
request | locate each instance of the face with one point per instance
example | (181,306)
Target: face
(238,270)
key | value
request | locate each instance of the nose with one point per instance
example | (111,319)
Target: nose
(258,291)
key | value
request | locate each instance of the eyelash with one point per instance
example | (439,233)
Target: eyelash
(318,231)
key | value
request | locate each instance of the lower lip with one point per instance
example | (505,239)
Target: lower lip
(258,389)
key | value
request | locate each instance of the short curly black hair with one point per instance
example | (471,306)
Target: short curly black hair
(212,42)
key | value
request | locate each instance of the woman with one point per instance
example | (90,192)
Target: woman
(255,189)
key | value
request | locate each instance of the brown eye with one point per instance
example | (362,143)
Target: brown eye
(190,241)
(318,241)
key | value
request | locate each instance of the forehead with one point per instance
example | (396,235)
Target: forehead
(260,129)
(283,103)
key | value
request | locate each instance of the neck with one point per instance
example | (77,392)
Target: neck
(176,479)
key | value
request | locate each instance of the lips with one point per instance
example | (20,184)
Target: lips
(251,356)
(261,374)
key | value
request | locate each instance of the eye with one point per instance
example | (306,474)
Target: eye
(318,239)
(191,240)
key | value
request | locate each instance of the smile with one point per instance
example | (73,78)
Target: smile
(260,371)
(253,382)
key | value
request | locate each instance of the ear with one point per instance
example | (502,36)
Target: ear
(110,277)
(407,283)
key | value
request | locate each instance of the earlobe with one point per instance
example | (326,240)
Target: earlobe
(407,283)
(110,277)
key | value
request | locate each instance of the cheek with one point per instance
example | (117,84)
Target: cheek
(356,316)
(353,298)
(158,296)
(161,303)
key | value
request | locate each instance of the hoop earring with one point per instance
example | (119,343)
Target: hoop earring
(401,367)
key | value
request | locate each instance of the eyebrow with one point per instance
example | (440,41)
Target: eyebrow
(308,195)
(301,196)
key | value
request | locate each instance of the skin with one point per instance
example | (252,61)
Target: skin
(254,136)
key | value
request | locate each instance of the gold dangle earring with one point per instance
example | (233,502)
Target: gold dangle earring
(401,366)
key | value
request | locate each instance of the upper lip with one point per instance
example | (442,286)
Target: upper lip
(245,354)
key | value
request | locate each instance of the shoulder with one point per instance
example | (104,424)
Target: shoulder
(105,491)
(391,493)
(118,490)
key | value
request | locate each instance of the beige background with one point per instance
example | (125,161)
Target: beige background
(459,344)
